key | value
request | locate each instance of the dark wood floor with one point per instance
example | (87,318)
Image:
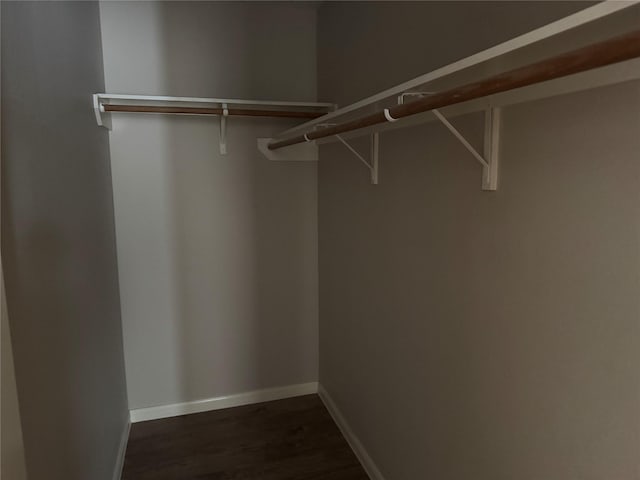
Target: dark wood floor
(287,439)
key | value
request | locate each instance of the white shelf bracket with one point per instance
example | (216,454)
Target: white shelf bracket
(375,152)
(492,128)
(223,129)
(302,152)
(402,96)
(373,166)
(103,119)
(489,161)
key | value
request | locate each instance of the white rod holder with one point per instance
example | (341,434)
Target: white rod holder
(102,118)
(223,129)
(402,96)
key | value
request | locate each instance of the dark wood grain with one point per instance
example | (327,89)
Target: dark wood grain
(600,54)
(287,439)
(245,112)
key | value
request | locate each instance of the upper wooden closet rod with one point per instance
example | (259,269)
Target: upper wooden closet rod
(247,112)
(625,47)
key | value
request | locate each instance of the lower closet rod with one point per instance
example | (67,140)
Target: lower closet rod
(246,112)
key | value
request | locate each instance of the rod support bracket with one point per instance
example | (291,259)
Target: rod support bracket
(375,153)
(492,130)
(373,164)
(223,129)
(489,160)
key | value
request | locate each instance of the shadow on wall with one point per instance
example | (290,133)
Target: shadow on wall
(58,246)
(49,251)
(512,315)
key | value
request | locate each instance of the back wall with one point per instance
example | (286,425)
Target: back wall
(217,254)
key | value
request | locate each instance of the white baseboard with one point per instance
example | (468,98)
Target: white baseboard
(227,401)
(353,441)
(117,472)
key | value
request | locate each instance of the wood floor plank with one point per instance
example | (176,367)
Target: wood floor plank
(291,439)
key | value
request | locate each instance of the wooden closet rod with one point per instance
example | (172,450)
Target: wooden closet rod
(611,51)
(211,111)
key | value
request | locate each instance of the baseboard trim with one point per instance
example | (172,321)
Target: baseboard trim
(124,440)
(358,449)
(227,401)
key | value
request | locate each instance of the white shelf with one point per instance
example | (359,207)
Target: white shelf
(102,117)
(590,25)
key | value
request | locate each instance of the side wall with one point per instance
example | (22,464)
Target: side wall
(12,462)
(475,335)
(217,254)
(58,243)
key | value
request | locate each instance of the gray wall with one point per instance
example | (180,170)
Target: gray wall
(12,462)
(474,335)
(58,242)
(217,254)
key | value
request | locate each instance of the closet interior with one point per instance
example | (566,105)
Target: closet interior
(320,240)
